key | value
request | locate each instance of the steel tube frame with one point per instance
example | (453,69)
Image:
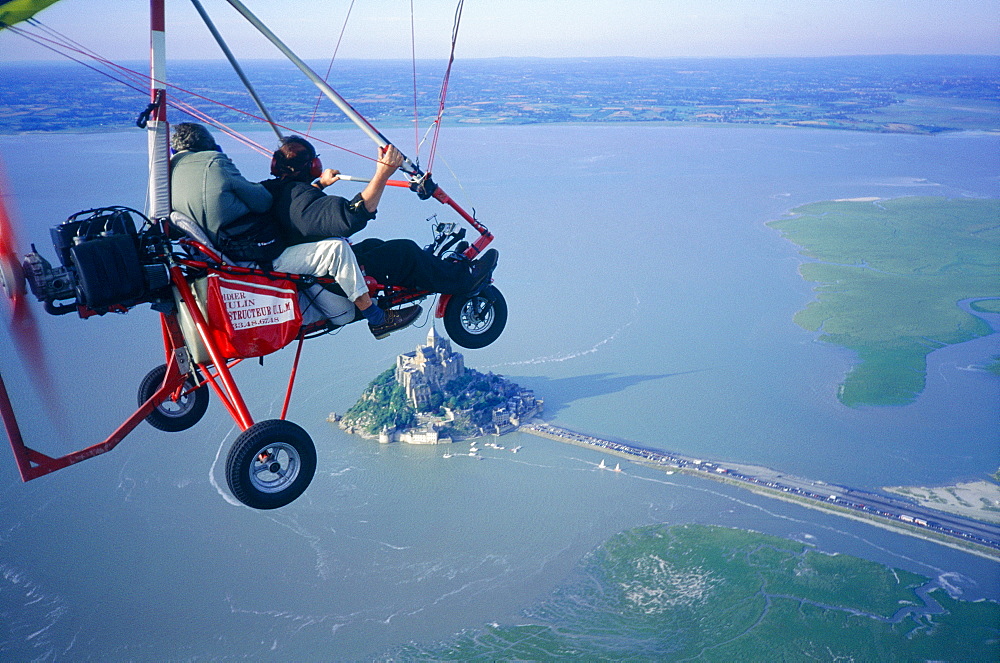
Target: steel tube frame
(362,123)
(236,66)
(32,463)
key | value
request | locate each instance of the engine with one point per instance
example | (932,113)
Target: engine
(105,264)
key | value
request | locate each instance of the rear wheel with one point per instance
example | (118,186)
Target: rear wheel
(475,321)
(11,276)
(270,464)
(173,414)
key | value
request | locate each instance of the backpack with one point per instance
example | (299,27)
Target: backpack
(254,237)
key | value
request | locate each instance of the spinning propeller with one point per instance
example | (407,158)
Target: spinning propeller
(21,321)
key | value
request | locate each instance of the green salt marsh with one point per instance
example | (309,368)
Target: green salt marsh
(889,277)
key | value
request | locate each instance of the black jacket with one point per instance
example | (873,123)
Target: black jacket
(306,214)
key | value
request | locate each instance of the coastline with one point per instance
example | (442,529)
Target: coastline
(402,123)
(709,470)
(851,275)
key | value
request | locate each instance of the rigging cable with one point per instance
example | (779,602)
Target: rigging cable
(236,66)
(319,97)
(54,45)
(139,82)
(360,121)
(444,85)
(416,113)
(131,79)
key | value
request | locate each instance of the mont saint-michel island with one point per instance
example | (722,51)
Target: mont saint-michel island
(431,397)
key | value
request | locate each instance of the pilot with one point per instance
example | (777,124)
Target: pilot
(308,215)
(206,187)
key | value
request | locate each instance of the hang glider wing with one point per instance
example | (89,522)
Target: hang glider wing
(15,11)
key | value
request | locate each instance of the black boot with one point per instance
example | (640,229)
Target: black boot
(396,319)
(482,269)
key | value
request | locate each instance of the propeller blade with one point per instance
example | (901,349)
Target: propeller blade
(23,326)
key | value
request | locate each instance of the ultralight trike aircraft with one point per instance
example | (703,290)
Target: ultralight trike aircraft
(213,313)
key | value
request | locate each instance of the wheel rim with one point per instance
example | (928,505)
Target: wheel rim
(477,315)
(11,278)
(274,467)
(177,409)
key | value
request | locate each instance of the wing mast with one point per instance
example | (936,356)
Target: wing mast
(236,66)
(157,130)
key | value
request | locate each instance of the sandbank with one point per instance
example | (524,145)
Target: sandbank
(976,499)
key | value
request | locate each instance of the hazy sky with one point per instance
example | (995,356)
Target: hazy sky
(547,28)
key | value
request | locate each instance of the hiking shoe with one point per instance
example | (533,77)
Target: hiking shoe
(482,269)
(396,319)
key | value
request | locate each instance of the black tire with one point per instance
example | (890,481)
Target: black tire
(170,415)
(12,280)
(475,321)
(270,464)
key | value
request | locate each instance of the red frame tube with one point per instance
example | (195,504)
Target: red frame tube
(485,236)
(291,378)
(232,396)
(32,464)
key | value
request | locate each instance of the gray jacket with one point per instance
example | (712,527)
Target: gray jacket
(209,189)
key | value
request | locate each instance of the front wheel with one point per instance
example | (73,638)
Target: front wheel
(270,464)
(179,411)
(475,321)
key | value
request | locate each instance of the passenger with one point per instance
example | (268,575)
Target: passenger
(208,188)
(308,215)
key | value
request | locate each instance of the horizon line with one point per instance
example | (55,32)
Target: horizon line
(555,58)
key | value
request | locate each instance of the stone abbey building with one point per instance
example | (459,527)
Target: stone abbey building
(428,369)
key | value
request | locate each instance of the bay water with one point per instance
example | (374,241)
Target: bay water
(648,302)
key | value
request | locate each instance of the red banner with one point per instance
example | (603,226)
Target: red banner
(252,316)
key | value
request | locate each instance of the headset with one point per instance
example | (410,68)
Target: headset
(315,166)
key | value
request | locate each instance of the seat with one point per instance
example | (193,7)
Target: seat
(311,299)
(195,232)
